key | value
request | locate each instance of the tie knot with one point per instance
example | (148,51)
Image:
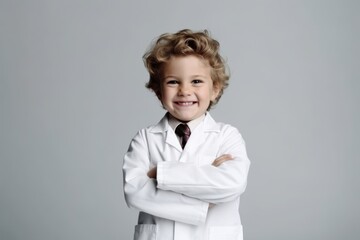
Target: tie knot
(183,130)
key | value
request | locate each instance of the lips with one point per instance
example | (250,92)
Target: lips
(185,103)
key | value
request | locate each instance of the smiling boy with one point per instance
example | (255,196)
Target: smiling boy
(186,185)
(187,88)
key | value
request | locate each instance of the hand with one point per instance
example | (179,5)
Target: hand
(217,162)
(220,160)
(152,173)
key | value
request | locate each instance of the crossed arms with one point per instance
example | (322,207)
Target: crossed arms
(182,191)
(217,162)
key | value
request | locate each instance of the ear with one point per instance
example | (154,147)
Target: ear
(215,92)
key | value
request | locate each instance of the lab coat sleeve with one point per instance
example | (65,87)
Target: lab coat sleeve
(207,182)
(141,191)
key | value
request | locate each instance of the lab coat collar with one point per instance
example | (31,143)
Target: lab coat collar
(208,124)
(161,126)
(197,137)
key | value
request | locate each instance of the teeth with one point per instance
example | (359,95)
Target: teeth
(185,103)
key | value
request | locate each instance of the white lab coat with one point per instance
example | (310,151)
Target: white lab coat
(176,205)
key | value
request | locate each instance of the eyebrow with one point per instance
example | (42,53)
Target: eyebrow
(169,76)
(193,76)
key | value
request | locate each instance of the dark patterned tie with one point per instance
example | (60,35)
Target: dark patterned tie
(183,131)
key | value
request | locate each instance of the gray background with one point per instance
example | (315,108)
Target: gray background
(72,96)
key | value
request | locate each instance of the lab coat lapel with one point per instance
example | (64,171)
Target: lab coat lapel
(172,140)
(200,133)
(168,133)
(196,139)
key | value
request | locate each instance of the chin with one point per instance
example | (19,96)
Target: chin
(187,118)
(183,118)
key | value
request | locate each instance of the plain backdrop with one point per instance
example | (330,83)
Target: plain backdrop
(72,96)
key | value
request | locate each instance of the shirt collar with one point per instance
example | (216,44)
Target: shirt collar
(173,122)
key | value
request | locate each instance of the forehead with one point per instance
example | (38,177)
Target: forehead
(186,65)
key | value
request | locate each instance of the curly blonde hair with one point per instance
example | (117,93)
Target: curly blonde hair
(184,43)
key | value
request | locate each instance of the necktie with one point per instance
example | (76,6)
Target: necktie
(184,132)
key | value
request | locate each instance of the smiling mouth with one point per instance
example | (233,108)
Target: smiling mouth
(187,103)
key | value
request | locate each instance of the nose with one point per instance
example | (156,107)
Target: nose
(184,90)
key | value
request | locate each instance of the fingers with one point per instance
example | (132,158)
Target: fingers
(152,173)
(220,160)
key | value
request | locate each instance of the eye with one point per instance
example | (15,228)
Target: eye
(197,81)
(172,82)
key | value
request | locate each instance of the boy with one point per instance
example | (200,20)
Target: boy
(186,174)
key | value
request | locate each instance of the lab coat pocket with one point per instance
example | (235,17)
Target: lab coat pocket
(145,232)
(226,233)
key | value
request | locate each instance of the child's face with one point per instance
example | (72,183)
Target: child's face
(187,87)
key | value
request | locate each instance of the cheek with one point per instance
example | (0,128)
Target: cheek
(165,96)
(210,93)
